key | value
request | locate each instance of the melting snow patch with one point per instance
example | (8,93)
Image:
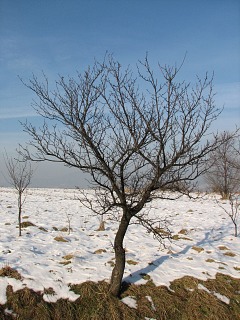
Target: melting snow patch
(10,312)
(4,282)
(130,301)
(221,297)
(201,287)
(216,294)
(151,301)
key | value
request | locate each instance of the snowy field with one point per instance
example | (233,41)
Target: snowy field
(203,243)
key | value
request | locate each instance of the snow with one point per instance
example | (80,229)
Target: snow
(46,263)
(151,301)
(130,301)
(221,297)
(10,312)
(216,294)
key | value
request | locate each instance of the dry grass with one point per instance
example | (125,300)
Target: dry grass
(223,248)
(198,249)
(229,254)
(27,224)
(42,229)
(210,260)
(131,262)
(60,239)
(178,237)
(163,232)
(184,300)
(65,262)
(175,237)
(68,256)
(7,271)
(183,231)
(99,251)
(111,263)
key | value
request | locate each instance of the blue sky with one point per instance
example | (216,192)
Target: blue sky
(63,36)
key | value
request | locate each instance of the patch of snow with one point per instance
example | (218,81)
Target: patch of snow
(221,297)
(4,282)
(201,287)
(10,312)
(130,301)
(151,301)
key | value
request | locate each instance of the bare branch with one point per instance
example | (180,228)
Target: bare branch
(134,135)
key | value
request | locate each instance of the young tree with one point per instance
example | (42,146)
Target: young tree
(20,175)
(223,175)
(234,211)
(133,135)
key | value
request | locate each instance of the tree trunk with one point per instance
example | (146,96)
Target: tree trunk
(235,226)
(118,270)
(235,229)
(19,213)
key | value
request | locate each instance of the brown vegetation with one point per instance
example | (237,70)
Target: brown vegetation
(187,298)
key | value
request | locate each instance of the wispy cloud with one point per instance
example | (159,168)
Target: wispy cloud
(13,112)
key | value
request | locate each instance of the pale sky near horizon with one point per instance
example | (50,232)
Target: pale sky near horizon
(63,36)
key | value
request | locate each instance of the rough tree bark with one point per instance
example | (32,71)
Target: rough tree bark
(118,270)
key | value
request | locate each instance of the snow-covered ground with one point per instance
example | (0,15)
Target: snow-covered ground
(204,243)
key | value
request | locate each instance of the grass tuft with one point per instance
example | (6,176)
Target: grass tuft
(132,262)
(229,254)
(42,229)
(60,239)
(7,271)
(68,256)
(99,251)
(183,231)
(27,224)
(65,263)
(198,249)
(163,232)
(210,260)
(223,248)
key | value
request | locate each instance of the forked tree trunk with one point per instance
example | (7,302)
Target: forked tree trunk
(118,270)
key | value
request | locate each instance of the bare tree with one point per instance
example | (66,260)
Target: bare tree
(20,175)
(223,175)
(234,211)
(69,218)
(136,136)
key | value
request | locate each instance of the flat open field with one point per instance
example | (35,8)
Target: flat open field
(48,256)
